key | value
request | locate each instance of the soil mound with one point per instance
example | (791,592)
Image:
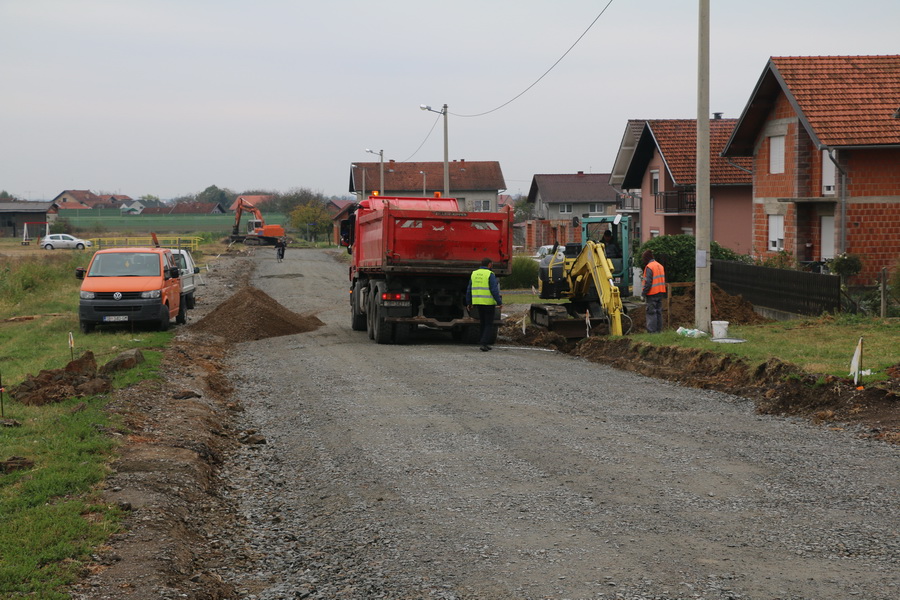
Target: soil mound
(77,379)
(679,310)
(251,314)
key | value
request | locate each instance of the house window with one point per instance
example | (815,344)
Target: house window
(776,233)
(481,206)
(827,174)
(776,154)
(654,182)
(596,208)
(565,209)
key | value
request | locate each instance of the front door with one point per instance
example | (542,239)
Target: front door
(827,224)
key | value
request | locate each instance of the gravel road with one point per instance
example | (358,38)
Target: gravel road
(434,470)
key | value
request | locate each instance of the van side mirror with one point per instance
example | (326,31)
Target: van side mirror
(79,272)
(196,269)
(173,272)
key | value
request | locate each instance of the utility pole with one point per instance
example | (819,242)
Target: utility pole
(703,289)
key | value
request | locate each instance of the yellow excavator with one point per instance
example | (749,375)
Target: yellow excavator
(583,276)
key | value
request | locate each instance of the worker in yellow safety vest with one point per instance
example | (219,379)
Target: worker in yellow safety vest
(484,293)
(654,290)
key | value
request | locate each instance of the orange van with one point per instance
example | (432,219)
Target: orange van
(128,285)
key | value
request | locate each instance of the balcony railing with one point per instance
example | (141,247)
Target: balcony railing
(678,202)
(628,203)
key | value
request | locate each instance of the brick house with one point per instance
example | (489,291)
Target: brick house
(75,199)
(823,134)
(475,184)
(662,169)
(560,200)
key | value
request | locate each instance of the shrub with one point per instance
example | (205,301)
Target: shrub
(524,274)
(677,254)
(845,265)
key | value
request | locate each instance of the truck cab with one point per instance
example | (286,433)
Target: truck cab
(129,285)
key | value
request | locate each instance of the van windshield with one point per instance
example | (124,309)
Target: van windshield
(125,264)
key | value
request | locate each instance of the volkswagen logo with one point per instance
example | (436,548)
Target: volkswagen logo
(117,296)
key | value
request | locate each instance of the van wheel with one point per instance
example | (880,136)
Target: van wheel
(181,319)
(85,326)
(164,318)
(191,303)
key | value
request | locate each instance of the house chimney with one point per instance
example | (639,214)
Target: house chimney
(717,115)
(581,173)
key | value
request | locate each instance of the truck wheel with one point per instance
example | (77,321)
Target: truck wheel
(370,315)
(181,319)
(357,317)
(402,332)
(164,318)
(472,334)
(382,329)
(191,302)
(85,326)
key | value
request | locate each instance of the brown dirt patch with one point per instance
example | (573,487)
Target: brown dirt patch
(678,311)
(251,314)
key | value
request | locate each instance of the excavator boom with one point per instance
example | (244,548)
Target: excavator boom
(587,283)
(258,233)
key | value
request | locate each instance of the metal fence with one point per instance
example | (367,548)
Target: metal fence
(781,289)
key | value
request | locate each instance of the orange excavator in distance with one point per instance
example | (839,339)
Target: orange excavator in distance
(258,233)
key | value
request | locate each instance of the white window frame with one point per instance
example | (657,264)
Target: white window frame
(565,208)
(828,174)
(776,154)
(776,233)
(654,182)
(482,206)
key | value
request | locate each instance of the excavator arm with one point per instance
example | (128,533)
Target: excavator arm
(587,283)
(591,274)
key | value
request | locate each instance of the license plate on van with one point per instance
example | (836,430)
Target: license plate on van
(115,318)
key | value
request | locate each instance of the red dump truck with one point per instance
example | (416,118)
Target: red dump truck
(411,263)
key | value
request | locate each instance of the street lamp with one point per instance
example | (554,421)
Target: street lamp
(443,111)
(422,173)
(380,154)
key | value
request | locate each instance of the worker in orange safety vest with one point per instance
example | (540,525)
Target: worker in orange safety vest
(654,290)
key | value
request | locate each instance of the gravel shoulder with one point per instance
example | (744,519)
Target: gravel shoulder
(333,467)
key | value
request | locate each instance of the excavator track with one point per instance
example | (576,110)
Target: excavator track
(555,318)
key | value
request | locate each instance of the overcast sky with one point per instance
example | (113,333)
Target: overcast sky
(167,97)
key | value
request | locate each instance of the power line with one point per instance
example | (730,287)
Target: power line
(520,94)
(538,80)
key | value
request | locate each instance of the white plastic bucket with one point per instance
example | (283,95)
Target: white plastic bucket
(720,329)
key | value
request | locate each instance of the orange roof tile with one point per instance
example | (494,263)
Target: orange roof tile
(846,100)
(840,100)
(676,140)
(407,176)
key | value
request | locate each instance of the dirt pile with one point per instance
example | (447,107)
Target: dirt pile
(251,314)
(77,379)
(678,311)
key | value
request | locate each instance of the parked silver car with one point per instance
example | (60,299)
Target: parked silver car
(64,240)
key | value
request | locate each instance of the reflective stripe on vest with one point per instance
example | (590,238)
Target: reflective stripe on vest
(658,284)
(481,287)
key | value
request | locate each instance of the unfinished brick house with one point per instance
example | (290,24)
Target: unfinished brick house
(824,136)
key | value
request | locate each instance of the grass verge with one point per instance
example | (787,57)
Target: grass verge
(51,514)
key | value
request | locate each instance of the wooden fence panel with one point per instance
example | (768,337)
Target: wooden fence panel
(782,289)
